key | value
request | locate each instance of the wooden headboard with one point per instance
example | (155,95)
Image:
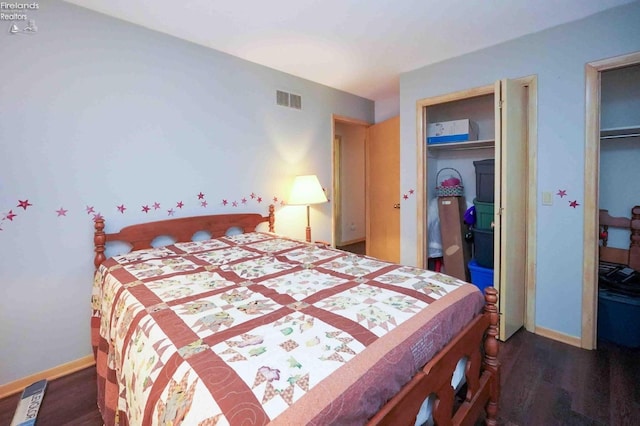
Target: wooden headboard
(141,236)
(629,257)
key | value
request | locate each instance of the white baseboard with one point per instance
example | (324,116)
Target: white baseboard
(560,337)
(50,374)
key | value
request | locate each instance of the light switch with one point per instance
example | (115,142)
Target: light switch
(547,198)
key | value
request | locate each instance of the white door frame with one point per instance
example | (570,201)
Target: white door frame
(588,338)
(336,206)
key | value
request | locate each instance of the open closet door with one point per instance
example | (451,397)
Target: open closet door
(510,199)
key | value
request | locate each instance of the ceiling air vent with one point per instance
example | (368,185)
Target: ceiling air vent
(288,99)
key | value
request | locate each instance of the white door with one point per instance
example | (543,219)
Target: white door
(511,201)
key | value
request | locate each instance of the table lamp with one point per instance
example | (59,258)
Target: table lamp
(307,190)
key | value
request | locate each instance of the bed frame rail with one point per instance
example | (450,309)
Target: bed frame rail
(141,236)
(482,376)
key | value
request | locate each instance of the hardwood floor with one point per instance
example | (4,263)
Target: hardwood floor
(357,248)
(544,382)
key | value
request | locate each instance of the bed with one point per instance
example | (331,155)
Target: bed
(249,327)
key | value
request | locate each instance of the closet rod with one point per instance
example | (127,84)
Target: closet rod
(627,135)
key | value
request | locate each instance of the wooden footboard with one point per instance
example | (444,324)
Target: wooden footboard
(478,343)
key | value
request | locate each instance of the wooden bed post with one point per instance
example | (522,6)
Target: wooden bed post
(272,217)
(634,246)
(491,354)
(99,240)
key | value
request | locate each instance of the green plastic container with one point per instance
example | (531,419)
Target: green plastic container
(484,214)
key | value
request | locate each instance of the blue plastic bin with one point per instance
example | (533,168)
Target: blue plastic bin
(618,318)
(480,276)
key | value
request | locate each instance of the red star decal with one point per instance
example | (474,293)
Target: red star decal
(61,212)
(180,204)
(244,200)
(170,212)
(405,196)
(156,205)
(97,216)
(574,204)
(203,203)
(253,195)
(562,193)
(200,196)
(10,215)
(121,208)
(225,202)
(259,199)
(234,204)
(145,209)
(24,204)
(411,191)
(90,210)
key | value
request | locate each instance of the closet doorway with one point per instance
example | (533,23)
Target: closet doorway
(594,74)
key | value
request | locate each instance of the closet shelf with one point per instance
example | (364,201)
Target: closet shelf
(620,132)
(455,146)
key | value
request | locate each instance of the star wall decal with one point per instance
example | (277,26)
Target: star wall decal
(156,205)
(405,196)
(146,208)
(574,204)
(90,210)
(97,216)
(259,199)
(234,204)
(411,191)
(225,202)
(170,212)
(61,212)
(275,200)
(10,215)
(244,200)
(562,193)
(200,196)
(121,208)
(253,195)
(203,203)
(24,204)
(180,204)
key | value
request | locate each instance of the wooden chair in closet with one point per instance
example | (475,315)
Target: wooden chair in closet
(631,256)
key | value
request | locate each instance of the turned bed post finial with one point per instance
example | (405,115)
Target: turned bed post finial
(272,217)
(491,353)
(634,245)
(99,240)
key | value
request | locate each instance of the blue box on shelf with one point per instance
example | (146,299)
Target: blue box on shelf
(481,277)
(452,131)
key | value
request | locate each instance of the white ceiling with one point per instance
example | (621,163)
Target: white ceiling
(359,46)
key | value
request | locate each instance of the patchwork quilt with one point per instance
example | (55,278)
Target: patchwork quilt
(257,328)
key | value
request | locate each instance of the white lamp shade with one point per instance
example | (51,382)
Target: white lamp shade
(306,190)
